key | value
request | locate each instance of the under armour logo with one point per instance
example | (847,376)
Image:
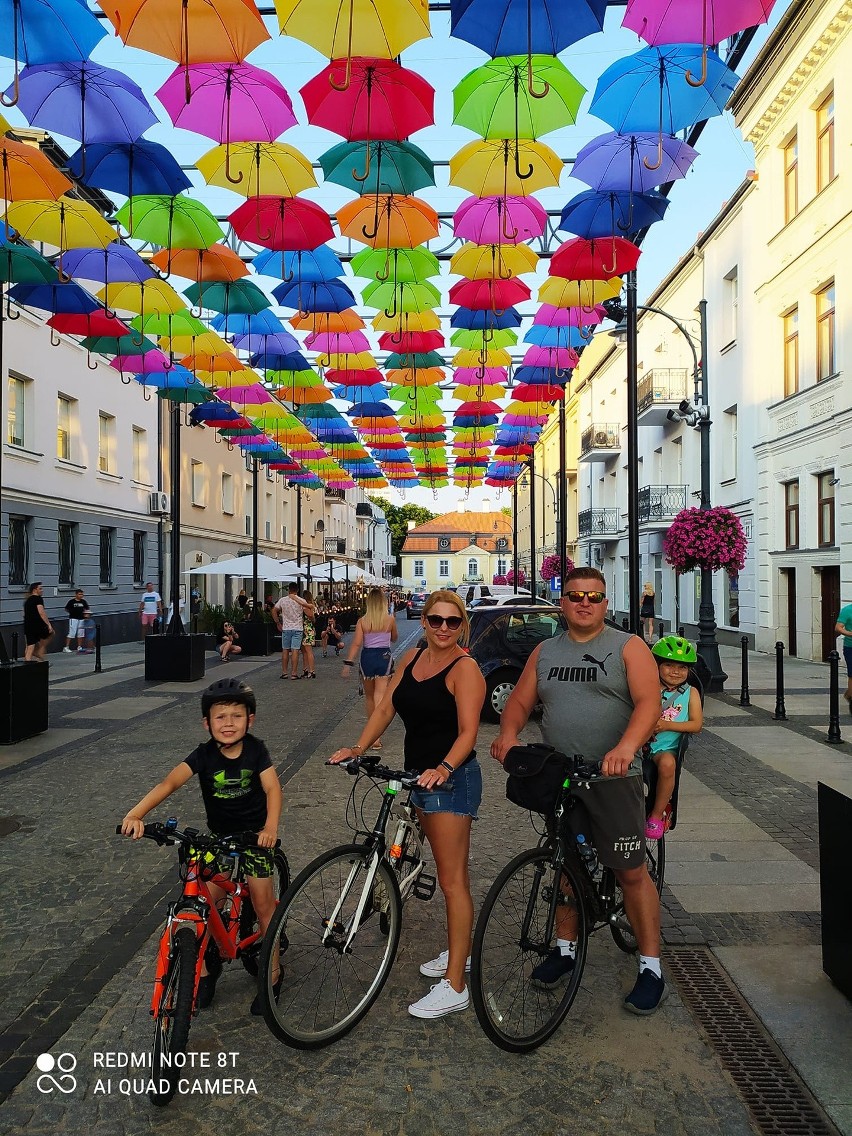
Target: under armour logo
(598,662)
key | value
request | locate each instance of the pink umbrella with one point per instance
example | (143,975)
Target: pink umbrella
(472,376)
(254,395)
(550,316)
(694,21)
(499,220)
(229,102)
(150,363)
(337,342)
(559,358)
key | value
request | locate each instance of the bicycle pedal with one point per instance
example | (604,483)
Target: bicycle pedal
(424,886)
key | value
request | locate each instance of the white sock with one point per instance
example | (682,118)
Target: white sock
(652,964)
(567,946)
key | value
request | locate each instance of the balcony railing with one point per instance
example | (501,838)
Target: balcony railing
(334,494)
(660,502)
(601,436)
(473,579)
(662,384)
(364,554)
(598,522)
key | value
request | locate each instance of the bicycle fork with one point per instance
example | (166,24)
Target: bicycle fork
(331,924)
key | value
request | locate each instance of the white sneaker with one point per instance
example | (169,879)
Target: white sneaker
(67,651)
(440,1000)
(437,968)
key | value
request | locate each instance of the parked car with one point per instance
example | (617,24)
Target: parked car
(414,607)
(515,599)
(502,638)
(470,592)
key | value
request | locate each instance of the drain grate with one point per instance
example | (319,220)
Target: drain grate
(779,1102)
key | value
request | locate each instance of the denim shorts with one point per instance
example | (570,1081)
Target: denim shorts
(847,655)
(460,794)
(291,640)
(376,662)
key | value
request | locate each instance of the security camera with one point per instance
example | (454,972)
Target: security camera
(673,416)
(685,406)
(834,481)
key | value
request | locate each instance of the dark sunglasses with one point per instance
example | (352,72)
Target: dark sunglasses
(453,622)
(592,597)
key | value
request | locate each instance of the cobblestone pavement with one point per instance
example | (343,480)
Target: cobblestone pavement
(79,950)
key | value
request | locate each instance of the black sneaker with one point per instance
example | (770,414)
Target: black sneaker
(206,990)
(647,995)
(553,970)
(256,1007)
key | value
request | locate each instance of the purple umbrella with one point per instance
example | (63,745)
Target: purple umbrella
(276,343)
(626,161)
(117,263)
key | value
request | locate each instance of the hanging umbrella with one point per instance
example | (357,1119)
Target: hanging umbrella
(558,336)
(388,221)
(172,222)
(402,297)
(282,223)
(239,296)
(171,324)
(219,362)
(505,167)
(473,340)
(217,262)
(493,295)
(321,263)
(591,214)
(58,297)
(338,342)
(64,224)
(129,168)
(550,316)
(114,263)
(695,21)
(381,100)
(407,360)
(616,161)
(482,262)
(259,168)
(315,296)
(559,358)
(411,341)
(118,344)
(494,101)
(262,323)
(151,295)
(400,167)
(483,360)
(397,264)
(20,263)
(281,342)
(600,259)
(26,173)
(498,220)
(466,318)
(149,363)
(328,322)
(45,31)
(578,293)
(407,321)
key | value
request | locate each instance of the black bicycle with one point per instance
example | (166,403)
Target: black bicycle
(516,928)
(336,929)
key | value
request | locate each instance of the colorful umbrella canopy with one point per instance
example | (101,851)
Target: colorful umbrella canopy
(320,263)
(505,167)
(258,168)
(382,100)
(600,259)
(341,28)
(499,220)
(172,222)
(578,293)
(129,168)
(282,223)
(46,31)
(592,214)
(480,262)
(24,264)
(512,27)
(113,263)
(240,296)
(631,161)
(315,296)
(87,324)
(494,101)
(400,167)
(405,264)
(694,21)
(150,295)
(388,221)
(217,262)
(53,297)
(402,297)
(228,102)
(26,173)
(194,31)
(65,223)
(494,295)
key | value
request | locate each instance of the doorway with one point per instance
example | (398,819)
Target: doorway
(788,576)
(829,607)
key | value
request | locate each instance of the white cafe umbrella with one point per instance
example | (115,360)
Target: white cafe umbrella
(267,568)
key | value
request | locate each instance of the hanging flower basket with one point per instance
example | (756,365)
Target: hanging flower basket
(521,579)
(707,539)
(499,580)
(551,565)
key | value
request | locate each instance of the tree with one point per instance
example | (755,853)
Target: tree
(398,517)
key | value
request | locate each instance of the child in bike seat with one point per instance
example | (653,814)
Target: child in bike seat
(241,793)
(681,714)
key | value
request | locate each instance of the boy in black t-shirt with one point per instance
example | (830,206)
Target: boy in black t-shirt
(241,793)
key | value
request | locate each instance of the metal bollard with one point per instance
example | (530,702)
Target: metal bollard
(834,698)
(625,623)
(98,649)
(680,633)
(744,697)
(780,714)
(14,639)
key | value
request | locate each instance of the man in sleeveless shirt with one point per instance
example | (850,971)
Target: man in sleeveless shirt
(601,697)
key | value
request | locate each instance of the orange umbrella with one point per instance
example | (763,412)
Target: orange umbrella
(208,361)
(347,320)
(215,263)
(26,173)
(388,220)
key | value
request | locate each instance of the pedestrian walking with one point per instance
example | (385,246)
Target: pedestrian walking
(374,633)
(38,630)
(308,636)
(150,607)
(288,615)
(844,627)
(76,608)
(646,612)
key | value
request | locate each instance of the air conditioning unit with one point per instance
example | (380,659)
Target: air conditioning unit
(158,503)
(598,553)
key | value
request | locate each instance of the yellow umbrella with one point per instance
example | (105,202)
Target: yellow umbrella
(502,166)
(484,393)
(5,125)
(407,321)
(65,223)
(147,296)
(266,168)
(348,361)
(208,341)
(340,29)
(500,358)
(578,293)
(490,262)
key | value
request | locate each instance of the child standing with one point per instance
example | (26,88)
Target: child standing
(681,714)
(86,632)
(241,793)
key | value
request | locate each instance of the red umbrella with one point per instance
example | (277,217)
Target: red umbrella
(411,342)
(596,259)
(384,101)
(88,323)
(477,408)
(282,223)
(525,393)
(489,295)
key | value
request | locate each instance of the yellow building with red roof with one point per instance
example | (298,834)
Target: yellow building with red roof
(457,548)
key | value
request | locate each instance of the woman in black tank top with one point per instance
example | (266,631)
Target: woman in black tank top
(438,693)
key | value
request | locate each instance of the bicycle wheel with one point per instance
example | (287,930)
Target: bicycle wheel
(329,981)
(248,919)
(622,932)
(513,935)
(171,1029)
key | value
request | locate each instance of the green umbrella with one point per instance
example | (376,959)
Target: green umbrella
(171,222)
(410,265)
(238,431)
(420,395)
(20,264)
(474,340)
(240,297)
(392,167)
(177,323)
(420,359)
(402,297)
(117,345)
(195,395)
(495,102)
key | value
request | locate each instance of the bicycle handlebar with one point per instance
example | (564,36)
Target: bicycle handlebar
(168,834)
(370,766)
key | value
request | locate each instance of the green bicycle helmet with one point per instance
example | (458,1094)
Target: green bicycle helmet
(674,649)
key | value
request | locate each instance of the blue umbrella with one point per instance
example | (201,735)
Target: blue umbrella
(275,361)
(46,31)
(371,410)
(67,298)
(541,376)
(235,323)
(544,336)
(129,168)
(373,393)
(476,321)
(177,378)
(320,263)
(315,296)
(649,91)
(521,27)
(475,420)
(116,263)
(611,213)
(213,411)
(618,161)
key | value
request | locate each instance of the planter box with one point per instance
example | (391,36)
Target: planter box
(835,823)
(23,701)
(257,638)
(174,658)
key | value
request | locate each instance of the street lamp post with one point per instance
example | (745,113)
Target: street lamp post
(558,526)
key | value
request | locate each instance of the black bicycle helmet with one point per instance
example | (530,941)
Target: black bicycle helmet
(228,690)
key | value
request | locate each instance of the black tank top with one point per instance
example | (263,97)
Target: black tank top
(429,714)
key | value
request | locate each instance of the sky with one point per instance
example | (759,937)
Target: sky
(724,158)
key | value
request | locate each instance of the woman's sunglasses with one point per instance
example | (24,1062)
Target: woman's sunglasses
(453,622)
(592,597)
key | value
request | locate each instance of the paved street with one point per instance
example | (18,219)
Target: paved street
(78,951)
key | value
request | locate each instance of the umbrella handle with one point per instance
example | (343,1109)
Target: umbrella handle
(656,165)
(371,236)
(509,235)
(16,85)
(610,271)
(366,173)
(395,309)
(385,273)
(92,366)
(233,180)
(702,78)
(55,340)
(534,94)
(348,76)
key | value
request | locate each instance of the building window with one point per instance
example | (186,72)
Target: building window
(473,567)
(66,547)
(791,352)
(140,543)
(732,300)
(65,408)
(16,422)
(501,566)
(419,568)
(19,550)
(198,484)
(106,443)
(732,599)
(731,441)
(825,332)
(825,509)
(825,141)
(107,549)
(444,568)
(140,454)
(227,493)
(791,514)
(791,178)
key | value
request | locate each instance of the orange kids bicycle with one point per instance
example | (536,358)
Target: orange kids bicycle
(199,928)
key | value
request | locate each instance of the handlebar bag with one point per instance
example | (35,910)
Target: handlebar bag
(536,774)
